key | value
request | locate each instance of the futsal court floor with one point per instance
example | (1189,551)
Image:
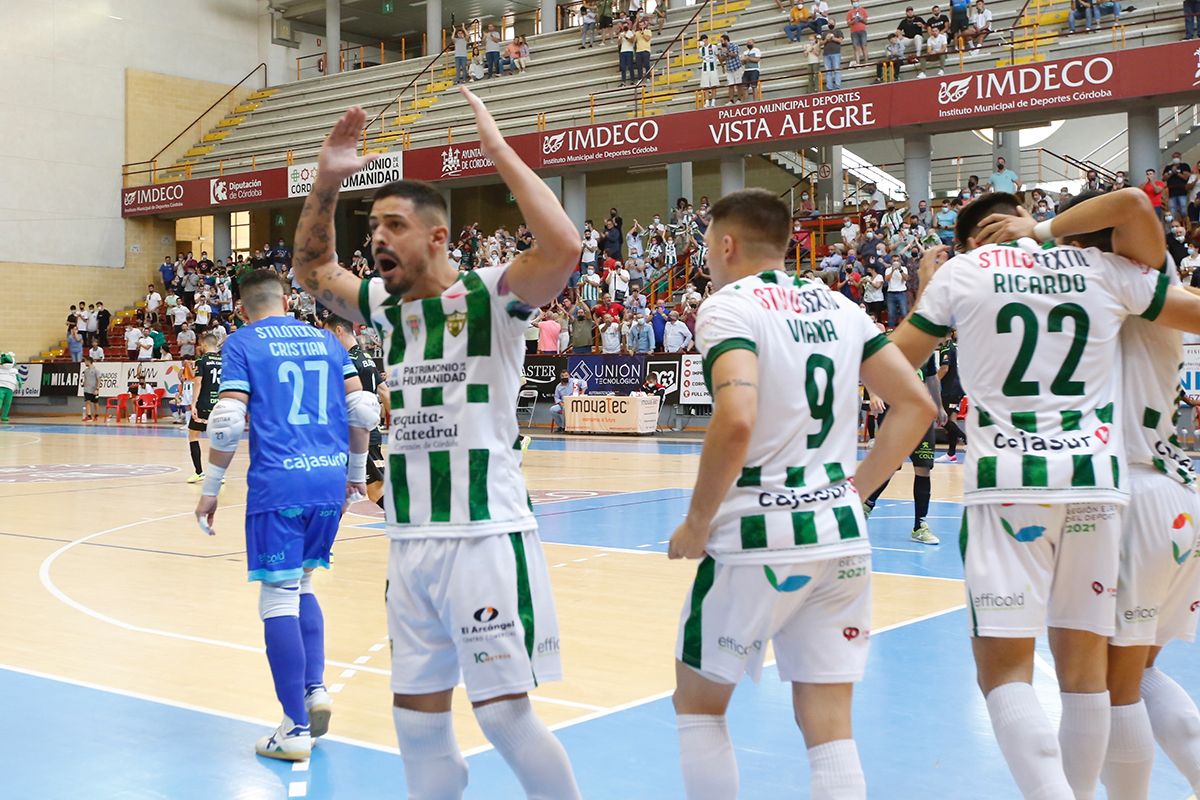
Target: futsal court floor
(131,661)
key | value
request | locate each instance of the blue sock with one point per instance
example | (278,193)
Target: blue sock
(312,628)
(285,653)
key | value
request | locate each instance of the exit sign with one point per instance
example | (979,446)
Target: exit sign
(280,220)
(389,6)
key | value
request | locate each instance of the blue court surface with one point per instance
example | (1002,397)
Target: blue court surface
(921,725)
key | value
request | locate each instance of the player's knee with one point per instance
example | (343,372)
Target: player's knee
(306,582)
(279,599)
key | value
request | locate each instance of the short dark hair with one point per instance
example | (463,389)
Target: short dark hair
(334,321)
(254,288)
(766,219)
(1101,239)
(974,213)
(424,196)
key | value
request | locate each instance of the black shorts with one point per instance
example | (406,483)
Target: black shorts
(195,424)
(606,22)
(374,462)
(90,397)
(923,455)
(750,77)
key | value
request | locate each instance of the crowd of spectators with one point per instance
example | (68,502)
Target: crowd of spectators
(487,57)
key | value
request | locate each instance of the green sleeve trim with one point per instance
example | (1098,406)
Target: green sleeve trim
(926,326)
(1160,298)
(720,349)
(364,302)
(874,345)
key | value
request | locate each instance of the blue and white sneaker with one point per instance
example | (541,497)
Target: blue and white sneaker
(289,742)
(320,709)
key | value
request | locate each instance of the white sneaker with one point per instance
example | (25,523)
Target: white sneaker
(946,459)
(320,709)
(941,72)
(924,535)
(289,742)
(921,74)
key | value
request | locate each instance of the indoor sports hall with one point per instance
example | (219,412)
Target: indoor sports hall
(156,154)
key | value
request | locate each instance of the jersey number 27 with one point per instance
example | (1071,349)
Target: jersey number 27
(290,372)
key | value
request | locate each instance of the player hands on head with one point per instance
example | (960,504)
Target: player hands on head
(777,505)
(458,517)
(1038,329)
(309,410)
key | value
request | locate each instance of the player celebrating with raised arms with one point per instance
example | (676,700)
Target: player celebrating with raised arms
(291,378)
(466,573)
(1046,473)
(776,513)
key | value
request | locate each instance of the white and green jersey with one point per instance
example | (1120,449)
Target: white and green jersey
(1038,337)
(453,367)
(794,501)
(1152,356)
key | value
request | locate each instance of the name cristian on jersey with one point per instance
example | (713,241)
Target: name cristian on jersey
(292,349)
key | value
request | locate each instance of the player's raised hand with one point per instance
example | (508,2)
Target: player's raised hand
(932,260)
(490,138)
(339,155)
(206,511)
(1001,228)
(688,541)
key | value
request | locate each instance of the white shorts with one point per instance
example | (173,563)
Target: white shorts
(710,79)
(733,77)
(479,608)
(818,614)
(1029,566)
(1158,592)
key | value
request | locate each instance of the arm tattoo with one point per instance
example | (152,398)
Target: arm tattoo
(736,382)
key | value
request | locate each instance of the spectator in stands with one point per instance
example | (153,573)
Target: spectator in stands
(145,345)
(637,273)
(1156,190)
(548,330)
(980,27)
(641,47)
(797,16)
(1178,177)
(521,60)
(96,353)
(637,302)
(159,340)
(1090,11)
(812,60)
(610,335)
(937,21)
(1177,243)
(751,70)
(658,321)
(132,334)
(1120,181)
(873,292)
(1191,18)
(818,16)
(626,42)
(710,77)
(74,344)
(856,22)
(936,48)
(1193,211)
(618,282)
(477,71)
(185,337)
(676,336)
(610,242)
(606,18)
(640,338)
(179,316)
(730,56)
(590,287)
(491,47)
(167,270)
(103,318)
(461,54)
(582,329)
(660,16)
(959,20)
(1003,179)
(831,48)
(153,303)
(911,30)
(81,320)
(587,24)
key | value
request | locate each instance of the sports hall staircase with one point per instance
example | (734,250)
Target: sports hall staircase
(566,85)
(120,322)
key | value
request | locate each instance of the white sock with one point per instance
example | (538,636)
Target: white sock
(710,769)
(1130,756)
(1083,737)
(434,768)
(1027,740)
(1175,721)
(531,750)
(836,771)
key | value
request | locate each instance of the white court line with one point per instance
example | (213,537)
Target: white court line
(362,660)
(897,549)
(375,648)
(336,688)
(925,577)
(884,516)
(607,549)
(298,789)
(300,766)
(348,673)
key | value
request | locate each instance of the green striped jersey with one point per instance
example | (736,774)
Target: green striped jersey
(453,371)
(1151,358)
(1039,355)
(794,500)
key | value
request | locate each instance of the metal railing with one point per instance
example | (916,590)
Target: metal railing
(350,57)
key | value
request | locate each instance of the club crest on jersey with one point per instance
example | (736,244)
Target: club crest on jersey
(456,322)
(414,324)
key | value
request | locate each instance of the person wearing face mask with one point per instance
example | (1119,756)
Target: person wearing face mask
(1190,263)
(807,205)
(1043,212)
(856,21)
(1003,179)
(1178,176)
(589,286)
(1120,182)
(1177,243)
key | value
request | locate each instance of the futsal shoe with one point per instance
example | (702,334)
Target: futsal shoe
(946,458)
(320,709)
(199,476)
(525,442)
(924,535)
(289,742)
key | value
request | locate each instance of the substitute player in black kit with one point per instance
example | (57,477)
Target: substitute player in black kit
(206,386)
(372,381)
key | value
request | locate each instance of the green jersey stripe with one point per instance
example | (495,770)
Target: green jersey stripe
(524,593)
(804,527)
(397,398)
(439,486)
(1116,470)
(1160,298)
(1071,419)
(364,302)
(754,532)
(769,276)
(432,396)
(478,393)
(873,346)
(927,326)
(835,473)
(847,523)
(962,551)
(398,473)
(1160,465)
(751,476)
(1034,471)
(985,472)
(477,484)
(719,349)
(479,316)
(1105,414)
(693,629)
(1150,418)
(795,477)
(1025,421)
(985,419)
(396,339)
(1082,471)
(435,327)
